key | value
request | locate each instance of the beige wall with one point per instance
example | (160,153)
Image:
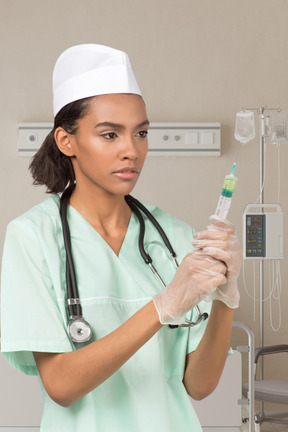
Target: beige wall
(195,60)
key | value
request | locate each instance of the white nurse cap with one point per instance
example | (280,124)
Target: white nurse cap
(90,70)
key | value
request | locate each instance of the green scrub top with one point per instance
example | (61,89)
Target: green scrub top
(147,393)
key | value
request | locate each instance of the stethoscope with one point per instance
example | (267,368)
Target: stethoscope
(79,329)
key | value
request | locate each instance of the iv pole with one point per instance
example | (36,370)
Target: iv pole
(261,267)
(264,133)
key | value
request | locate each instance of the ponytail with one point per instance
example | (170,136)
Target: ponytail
(49,166)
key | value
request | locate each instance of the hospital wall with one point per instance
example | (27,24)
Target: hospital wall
(195,61)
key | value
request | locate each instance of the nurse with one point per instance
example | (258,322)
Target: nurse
(136,373)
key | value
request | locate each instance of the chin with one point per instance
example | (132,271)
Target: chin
(125,189)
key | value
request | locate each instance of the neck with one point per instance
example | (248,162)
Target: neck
(102,210)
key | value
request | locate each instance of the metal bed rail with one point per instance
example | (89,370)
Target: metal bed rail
(250,348)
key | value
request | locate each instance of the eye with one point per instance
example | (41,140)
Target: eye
(143,134)
(109,135)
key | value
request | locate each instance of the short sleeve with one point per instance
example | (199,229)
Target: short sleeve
(31,319)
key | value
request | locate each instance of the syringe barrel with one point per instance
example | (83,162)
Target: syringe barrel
(226,196)
(223,206)
(229,185)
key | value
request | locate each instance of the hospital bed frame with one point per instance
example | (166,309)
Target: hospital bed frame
(240,416)
(250,389)
(274,391)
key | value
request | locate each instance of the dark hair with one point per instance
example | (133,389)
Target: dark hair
(49,166)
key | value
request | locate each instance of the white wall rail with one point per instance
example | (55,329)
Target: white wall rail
(165,139)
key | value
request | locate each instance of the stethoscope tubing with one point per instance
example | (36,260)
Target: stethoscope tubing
(77,324)
(74,306)
(134,205)
(133,201)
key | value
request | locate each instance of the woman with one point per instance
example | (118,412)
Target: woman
(136,372)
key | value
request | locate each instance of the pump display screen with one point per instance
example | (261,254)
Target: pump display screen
(255,235)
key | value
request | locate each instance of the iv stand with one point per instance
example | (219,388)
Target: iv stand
(262,141)
(261,267)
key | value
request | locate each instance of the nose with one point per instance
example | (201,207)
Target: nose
(129,149)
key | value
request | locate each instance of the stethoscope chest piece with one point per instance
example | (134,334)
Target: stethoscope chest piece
(79,330)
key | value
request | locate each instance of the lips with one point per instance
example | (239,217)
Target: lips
(127,173)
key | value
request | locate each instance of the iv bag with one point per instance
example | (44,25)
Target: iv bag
(245,126)
(279,127)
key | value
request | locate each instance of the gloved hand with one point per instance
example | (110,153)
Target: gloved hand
(221,242)
(196,277)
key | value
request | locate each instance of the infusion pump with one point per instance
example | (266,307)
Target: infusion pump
(263,231)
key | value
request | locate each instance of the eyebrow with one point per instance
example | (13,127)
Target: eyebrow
(120,126)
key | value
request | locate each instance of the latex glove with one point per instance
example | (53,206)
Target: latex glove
(220,241)
(196,277)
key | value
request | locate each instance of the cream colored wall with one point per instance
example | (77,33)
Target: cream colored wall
(195,60)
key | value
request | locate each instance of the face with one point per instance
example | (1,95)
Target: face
(109,149)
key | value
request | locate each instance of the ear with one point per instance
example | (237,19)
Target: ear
(64,141)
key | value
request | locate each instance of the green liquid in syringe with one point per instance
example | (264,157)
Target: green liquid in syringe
(226,194)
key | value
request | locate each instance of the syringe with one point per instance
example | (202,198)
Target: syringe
(226,194)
